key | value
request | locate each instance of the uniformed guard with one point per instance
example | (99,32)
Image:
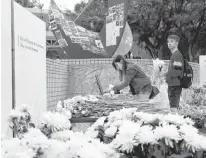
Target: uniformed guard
(175,73)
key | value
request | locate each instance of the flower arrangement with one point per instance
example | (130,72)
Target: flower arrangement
(145,135)
(20,119)
(52,139)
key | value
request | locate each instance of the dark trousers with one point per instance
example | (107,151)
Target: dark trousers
(174,93)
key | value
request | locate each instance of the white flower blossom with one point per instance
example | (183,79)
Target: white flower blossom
(64,135)
(13,148)
(125,138)
(146,135)
(175,119)
(167,132)
(56,120)
(146,117)
(24,108)
(195,142)
(14,114)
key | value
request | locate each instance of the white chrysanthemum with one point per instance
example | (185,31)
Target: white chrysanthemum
(83,152)
(62,135)
(69,104)
(105,149)
(57,149)
(187,130)
(56,120)
(195,142)
(117,123)
(99,122)
(35,139)
(13,148)
(123,114)
(146,117)
(125,138)
(93,130)
(59,106)
(167,133)
(175,119)
(79,99)
(14,114)
(92,133)
(67,113)
(110,132)
(24,108)
(115,115)
(91,98)
(146,135)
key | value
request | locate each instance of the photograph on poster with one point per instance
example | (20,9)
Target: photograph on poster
(53,25)
(67,31)
(54,9)
(114,9)
(121,23)
(80,29)
(82,34)
(109,19)
(85,41)
(86,47)
(62,43)
(51,17)
(64,23)
(59,16)
(110,10)
(71,23)
(117,23)
(75,40)
(58,21)
(58,34)
(99,43)
(114,17)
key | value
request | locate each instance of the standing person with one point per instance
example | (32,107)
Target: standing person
(132,76)
(175,73)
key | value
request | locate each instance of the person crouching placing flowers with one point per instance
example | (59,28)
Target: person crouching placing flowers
(133,76)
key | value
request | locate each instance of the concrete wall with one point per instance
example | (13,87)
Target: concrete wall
(67,78)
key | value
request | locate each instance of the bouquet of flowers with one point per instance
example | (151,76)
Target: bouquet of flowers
(20,119)
(146,135)
(53,139)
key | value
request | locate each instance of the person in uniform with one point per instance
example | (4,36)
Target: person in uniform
(132,76)
(175,73)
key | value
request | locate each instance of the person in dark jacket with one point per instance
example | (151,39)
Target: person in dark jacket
(132,76)
(175,73)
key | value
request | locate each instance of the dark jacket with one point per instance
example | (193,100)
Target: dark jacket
(175,69)
(135,78)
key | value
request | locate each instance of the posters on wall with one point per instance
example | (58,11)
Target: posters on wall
(114,21)
(87,39)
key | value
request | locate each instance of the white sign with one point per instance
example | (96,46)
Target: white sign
(202,59)
(30,61)
(6,68)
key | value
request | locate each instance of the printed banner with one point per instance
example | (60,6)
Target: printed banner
(81,43)
(75,40)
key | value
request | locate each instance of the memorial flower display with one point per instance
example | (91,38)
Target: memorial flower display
(144,134)
(60,142)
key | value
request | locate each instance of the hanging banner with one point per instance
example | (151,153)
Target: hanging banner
(116,34)
(75,40)
(81,43)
